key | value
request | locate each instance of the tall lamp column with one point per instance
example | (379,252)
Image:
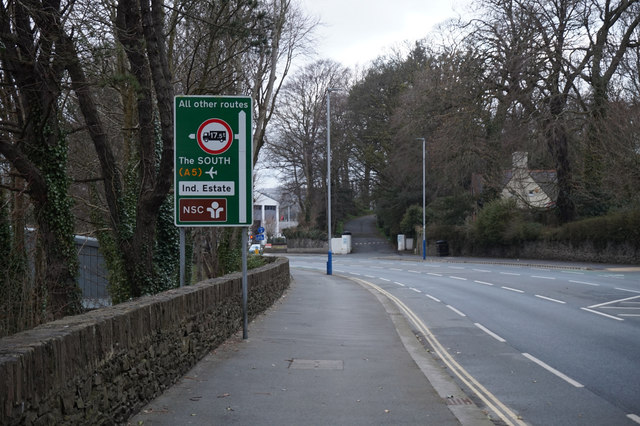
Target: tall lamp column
(424,197)
(329,261)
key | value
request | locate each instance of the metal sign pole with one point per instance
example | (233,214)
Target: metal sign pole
(182,257)
(245,287)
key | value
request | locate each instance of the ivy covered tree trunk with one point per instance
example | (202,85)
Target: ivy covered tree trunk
(32,141)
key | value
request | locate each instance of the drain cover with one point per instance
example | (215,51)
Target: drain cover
(316,364)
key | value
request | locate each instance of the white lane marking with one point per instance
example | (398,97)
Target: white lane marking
(400,284)
(339,270)
(572,272)
(456,311)
(383,279)
(433,274)
(625,289)
(395,269)
(584,282)
(601,313)
(634,417)
(490,400)
(482,282)
(456,267)
(457,278)
(354,273)
(542,277)
(614,301)
(481,270)
(369,276)
(513,289)
(412,271)
(510,273)
(433,298)
(553,370)
(629,315)
(489,332)
(415,289)
(550,299)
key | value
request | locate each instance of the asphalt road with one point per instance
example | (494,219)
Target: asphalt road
(557,345)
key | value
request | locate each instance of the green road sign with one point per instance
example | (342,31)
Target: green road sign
(213,161)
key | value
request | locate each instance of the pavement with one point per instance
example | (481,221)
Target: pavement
(330,352)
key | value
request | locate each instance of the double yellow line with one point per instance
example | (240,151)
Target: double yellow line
(490,400)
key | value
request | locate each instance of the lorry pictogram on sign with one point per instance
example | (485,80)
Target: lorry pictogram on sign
(214,136)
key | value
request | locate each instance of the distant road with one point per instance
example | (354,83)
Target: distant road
(365,237)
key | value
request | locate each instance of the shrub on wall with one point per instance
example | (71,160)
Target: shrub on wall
(490,228)
(617,227)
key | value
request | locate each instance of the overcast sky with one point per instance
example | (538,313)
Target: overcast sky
(355,32)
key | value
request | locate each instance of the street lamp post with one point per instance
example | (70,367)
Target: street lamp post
(424,222)
(329,261)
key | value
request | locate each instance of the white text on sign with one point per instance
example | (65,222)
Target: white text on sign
(205,160)
(206,188)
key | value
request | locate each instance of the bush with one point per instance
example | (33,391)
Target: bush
(412,218)
(618,227)
(300,233)
(493,220)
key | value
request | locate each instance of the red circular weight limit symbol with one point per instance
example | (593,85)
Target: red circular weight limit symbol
(214,136)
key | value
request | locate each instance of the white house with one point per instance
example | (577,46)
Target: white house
(530,188)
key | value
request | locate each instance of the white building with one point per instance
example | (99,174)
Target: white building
(266,213)
(530,188)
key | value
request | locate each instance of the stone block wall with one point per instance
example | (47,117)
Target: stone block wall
(103,366)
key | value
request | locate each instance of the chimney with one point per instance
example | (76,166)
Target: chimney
(520,160)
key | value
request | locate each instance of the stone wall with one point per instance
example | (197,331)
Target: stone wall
(103,366)
(617,253)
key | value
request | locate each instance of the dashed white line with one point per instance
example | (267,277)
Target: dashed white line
(550,299)
(584,282)
(490,333)
(456,267)
(481,270)
(510,273)
(383,279)
(541,277)
(456,311)
(482,282)
(354,273)
(400,284)
(457,278)
(395,269)
(553,370)
(601,313)
(512,289)
(412,271)
(369,276)
(433,298)
(625,289)
(634,418)
(415,289)
(434,274)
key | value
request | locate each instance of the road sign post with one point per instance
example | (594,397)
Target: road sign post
(213,164)
(213,161)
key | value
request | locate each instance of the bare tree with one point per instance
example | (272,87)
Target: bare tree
(298,147)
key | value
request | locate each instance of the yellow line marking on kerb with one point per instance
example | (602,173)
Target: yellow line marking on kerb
(492,402)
